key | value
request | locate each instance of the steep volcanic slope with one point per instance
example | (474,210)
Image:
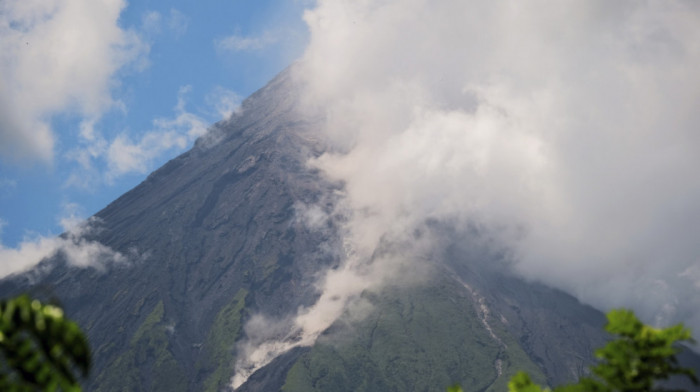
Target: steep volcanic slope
(469,323)
(215,237)
(215,232)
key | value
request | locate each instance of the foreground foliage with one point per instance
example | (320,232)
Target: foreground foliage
(40,348)
(636,361)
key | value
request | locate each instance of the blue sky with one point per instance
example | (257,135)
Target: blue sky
(97,94)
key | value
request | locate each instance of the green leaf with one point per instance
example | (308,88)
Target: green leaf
(42,348)
(521,382)
(636,360)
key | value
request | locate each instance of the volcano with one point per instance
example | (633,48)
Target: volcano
(217,237)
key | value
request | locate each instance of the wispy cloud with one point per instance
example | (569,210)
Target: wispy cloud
(224,102)
(239,43)
(102,160)
(178,22)
(73,246)
(175,23)
(151,22)
(7,186)
(55,57)
(126,156)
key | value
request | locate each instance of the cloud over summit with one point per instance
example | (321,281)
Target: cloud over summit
(567,129)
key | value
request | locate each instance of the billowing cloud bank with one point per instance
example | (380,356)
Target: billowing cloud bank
(57,56)
(568,129)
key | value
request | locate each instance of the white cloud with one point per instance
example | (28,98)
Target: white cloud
(565,130)
(176,23)
(340,292)
(125,154)
(151,22)
(238,43)
(57,56)
(225,102)
(73,246)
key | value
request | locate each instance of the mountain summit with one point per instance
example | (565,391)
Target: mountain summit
(228,242)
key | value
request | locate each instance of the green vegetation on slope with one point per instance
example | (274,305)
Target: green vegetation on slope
(413,340)
(149,353)
(218,348)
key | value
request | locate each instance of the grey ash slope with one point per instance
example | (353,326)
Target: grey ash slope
(218,240)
